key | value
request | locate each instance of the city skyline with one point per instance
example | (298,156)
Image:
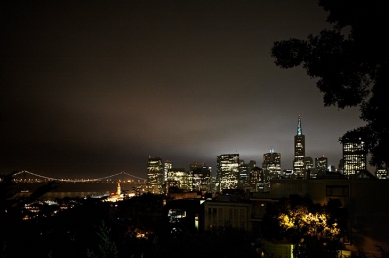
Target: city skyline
(187,168)
(92,89)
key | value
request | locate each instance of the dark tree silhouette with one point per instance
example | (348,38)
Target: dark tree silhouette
(351,64)
(6,193)
(18,238)
(10,204)
(107,248)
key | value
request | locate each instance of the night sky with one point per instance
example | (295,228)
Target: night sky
(92,88)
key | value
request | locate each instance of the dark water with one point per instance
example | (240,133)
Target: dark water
(73,189)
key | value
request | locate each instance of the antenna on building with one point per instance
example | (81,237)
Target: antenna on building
(299,128)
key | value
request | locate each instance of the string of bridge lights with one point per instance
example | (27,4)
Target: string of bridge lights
(78,180)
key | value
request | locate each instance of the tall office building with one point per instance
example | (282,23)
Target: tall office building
(200,175)
(321,165)
(195,166)
(181,177)
(244,174)
(256,178)
(166,166)
(308,161)
(272,164)
(299,151)
(155,174)
(354,154)
(227,171)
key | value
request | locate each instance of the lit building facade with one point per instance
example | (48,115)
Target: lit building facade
(321,164)
(155,174)
(180,176)
(354,155)
(201,177)
(256,178)
(272,164)
(287,173)
(194,167)
(382,173)
(227,171)
(299,151)
(244,174)
(308,161)
(166,166)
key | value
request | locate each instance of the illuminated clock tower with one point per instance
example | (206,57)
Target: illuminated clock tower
(299,151)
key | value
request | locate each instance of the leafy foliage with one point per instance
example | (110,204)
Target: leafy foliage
(307,223)
(311,227)
(351,63)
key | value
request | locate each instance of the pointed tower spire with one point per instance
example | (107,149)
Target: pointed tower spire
(299,129)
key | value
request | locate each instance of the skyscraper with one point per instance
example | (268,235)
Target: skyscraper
(354,154)
(256,179)
(272,164)
(180,176)
(194,169)
(200,175)
(244,174)
(227,171)
(166,166)
(308,162)
(299,151)
(321,165)
(155,174)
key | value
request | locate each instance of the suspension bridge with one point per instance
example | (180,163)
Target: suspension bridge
(22,176)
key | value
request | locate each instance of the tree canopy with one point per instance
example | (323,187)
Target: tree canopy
(311,227)
(350,61)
